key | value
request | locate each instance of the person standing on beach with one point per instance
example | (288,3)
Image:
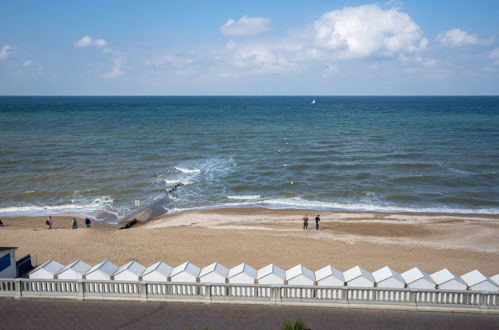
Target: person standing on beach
(49,222)
(317,222)
(88,222)
(74,224)
(305,222)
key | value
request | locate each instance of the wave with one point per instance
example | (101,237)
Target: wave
(187,170)
(97,204)
(176,181)
(302,204)
(244,197)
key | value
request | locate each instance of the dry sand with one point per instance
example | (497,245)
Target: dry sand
(259,236)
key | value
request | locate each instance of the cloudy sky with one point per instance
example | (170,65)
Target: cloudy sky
(249,47)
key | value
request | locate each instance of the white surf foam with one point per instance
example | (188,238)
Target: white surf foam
(176,181)
(244,197)
(188,170)
(76,206)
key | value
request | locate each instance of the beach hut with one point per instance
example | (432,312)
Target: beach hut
(214,273)
(388,278)
(157,272)
(271,274)
(476,281)
(73,271)
(185,272)
(101,272)
(8,262)
(130,271)
(358,277)
(299,275)
(46,271)
(417,279)
(495,279)
(448,281)
(329,276)
(242,274)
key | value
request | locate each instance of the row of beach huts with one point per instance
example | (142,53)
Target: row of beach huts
(268,275)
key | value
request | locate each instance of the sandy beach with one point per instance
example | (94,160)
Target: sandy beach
(260,236)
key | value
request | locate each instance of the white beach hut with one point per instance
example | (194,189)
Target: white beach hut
(271,274)
(101,272)
(8,267)
(46,271)
(329,276)
(157,272)
(73,271)
(299,275)
(186,272)
(495,279)
(388,278)
(476,281)
(417,279)
(130,271)
(242,274)
(448,281)
(358,277)
(214,273)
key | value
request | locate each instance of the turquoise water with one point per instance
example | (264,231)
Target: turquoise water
(82,154)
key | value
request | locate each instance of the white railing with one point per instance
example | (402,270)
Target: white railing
(478,301)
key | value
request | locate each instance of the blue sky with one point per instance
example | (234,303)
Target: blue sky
(249,47)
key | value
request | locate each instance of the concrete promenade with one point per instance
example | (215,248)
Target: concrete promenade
(69,314)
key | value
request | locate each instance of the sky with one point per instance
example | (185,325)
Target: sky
(255,47)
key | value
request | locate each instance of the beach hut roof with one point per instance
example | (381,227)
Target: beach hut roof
(271,269)
(186,267)
(327,272)
(216,268)
(78,266)
(355,272)
(495,279)
(415,274)
(243,268)
(444,275)
(50,266)
(299,270)
(105,267)
(474,277)
(159,267)
(133,267)
(385,273)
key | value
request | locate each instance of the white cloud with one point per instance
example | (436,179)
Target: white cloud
(367,31)
(494,55)
(245,26)
(5,52)
(27,63)
(85,41)
(458,38)
(88,41)
(117,68)
(107,51)
(100,43)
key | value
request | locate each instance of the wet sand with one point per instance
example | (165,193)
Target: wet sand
(260,236)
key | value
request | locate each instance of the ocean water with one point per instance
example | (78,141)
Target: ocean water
(82,154)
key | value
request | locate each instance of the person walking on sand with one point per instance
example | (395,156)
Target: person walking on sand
(49,222)
(317,222)
(74,224)
(305,222)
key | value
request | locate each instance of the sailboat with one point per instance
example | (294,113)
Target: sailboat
(313,101)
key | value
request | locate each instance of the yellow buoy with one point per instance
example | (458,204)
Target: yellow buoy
(291,182)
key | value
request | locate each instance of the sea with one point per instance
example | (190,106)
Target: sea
(389,154)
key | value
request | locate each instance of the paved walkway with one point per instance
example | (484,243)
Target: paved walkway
(69,314)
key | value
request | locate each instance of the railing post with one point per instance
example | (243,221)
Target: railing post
(207,292)
(143,291)
(18,289)
(80,287)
